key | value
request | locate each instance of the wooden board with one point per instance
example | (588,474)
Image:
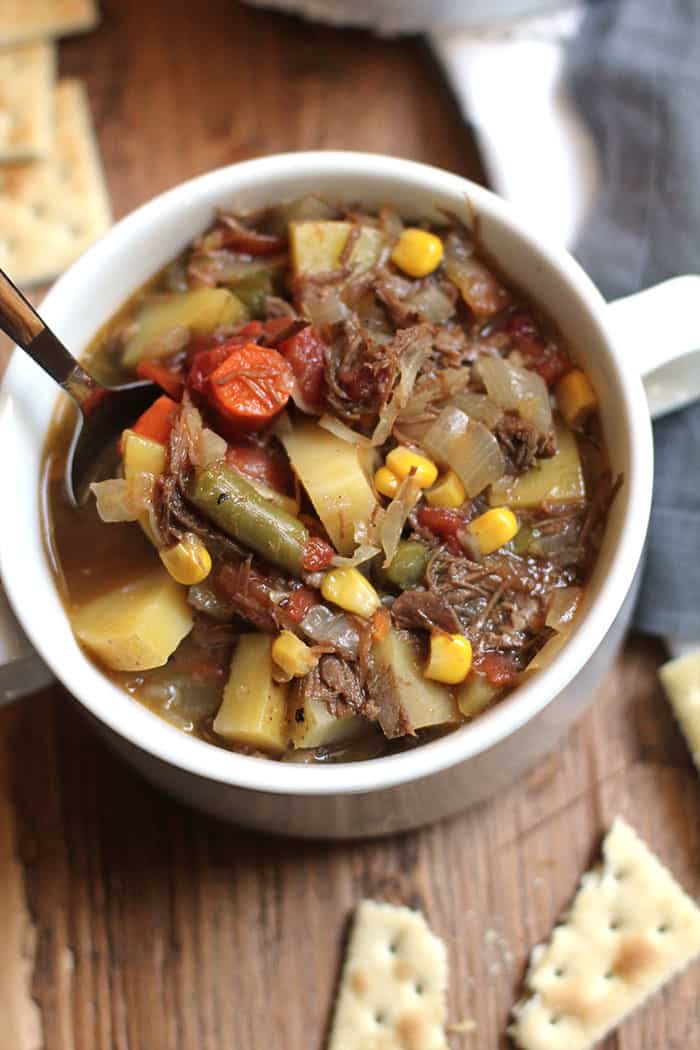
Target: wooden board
(131,923)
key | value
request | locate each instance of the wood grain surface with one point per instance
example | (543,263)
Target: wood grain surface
(128,922)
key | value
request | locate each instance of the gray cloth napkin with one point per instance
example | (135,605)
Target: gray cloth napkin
(634,70)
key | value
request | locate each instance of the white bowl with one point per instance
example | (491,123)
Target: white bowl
(398,791)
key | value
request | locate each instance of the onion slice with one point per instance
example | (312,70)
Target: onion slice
(517,390)
(467,447)
(391,525)
(482,293)
(203,445)
(410,365)
(562,607)
(341,430)
(478,407)
(325,627)
(121,500)
(365,552)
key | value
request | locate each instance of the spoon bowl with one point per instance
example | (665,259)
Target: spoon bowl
(103,411)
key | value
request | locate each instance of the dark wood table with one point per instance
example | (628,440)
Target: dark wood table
(128,922)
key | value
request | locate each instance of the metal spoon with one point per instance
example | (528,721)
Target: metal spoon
(103,412)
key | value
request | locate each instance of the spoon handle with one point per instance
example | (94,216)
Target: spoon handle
(20,321)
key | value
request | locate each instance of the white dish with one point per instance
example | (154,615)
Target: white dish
(437,779)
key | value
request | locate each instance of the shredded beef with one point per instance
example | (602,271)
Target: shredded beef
(339,684)
(500,602)
(360,374)
(424,610)
(254,595)
(522,443)
(343,679)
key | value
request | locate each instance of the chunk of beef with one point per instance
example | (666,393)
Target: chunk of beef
(389,712)
(425,610)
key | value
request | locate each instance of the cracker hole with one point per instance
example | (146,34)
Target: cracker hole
(560,971)
(663,928)
(379,1017)
(554,1019)
(394,947)
(620,874)
(419,988)
(615,925)
(74,229)
(609,975)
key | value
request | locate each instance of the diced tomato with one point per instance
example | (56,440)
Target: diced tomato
(305,353)
(299,603)
(444,523)
(260,464)
(547,359)
(157,421)
(169,381)
(498,668)
(359,383)
(251,386)
(441,520)
(317,554)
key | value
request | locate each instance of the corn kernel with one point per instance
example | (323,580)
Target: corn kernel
(494,528)
(188,561)
(401,461)
(417,252)
(449,491)
(450,658)
(349,589)
(576,397)
(386,482)
(292,656)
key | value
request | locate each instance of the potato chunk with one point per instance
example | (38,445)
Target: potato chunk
(330,471)
(142,455)
(316,247)
(137,626)
(312,724)
(254,708)
(556,480)
(200,311)
(408,700)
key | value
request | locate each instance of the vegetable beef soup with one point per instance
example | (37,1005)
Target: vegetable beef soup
(365,504)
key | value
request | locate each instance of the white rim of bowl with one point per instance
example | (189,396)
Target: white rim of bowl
(196,756)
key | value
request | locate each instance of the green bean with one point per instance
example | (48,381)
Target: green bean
(224,497)
(407,567)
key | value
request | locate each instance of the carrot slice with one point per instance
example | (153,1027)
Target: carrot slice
(170,382)
(252,385)
(157,421)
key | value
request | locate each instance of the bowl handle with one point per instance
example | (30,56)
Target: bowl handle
(660,330)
